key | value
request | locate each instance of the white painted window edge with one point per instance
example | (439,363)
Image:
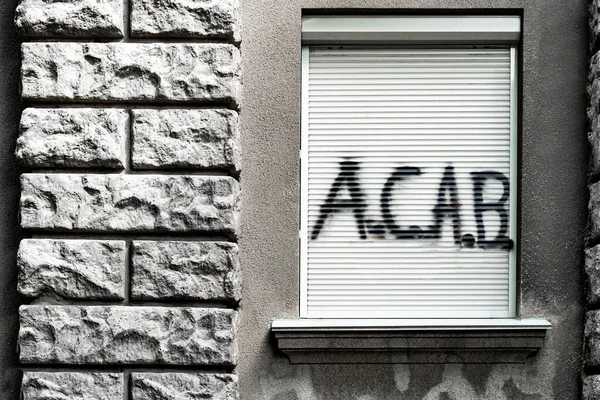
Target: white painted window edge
(411,29)
(414,30)
(409,324)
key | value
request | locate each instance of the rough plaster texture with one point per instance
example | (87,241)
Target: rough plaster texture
(72,269)
(127,335)
(74,18)
(189,139)
(553,210)
(185,18)
(72,386)
(185,271)
(72,138)
(131,71)
(184,386)
(129,203)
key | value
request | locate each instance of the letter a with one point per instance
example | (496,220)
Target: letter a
(347,177)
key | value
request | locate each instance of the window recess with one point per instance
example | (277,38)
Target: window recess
(409,173)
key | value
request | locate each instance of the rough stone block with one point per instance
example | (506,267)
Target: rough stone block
(73,18)
(72,386)
(185,139)
(185,18)
(185,271)
(72,138)
(184,386)
(593,90)
(592,338)
(156,72)
(594,210)
(594,23)
(591,387)
(127,335)
(592,269)
(72,269)
(129,203)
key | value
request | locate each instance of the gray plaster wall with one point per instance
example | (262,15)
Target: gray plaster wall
(553,210)
(10,110)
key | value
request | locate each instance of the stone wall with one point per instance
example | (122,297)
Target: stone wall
(130,199)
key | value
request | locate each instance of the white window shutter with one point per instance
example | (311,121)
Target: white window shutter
(394,137)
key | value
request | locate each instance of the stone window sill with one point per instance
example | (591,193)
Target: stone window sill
(409,341)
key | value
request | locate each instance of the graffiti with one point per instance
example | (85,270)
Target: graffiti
(447,207)
(479,179)
(348,176)
(386,195)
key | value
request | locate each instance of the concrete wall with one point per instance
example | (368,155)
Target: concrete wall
(554,159)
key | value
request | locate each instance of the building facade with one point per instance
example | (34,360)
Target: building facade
(153,196)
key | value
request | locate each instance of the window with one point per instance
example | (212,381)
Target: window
(408,203)
(408,182)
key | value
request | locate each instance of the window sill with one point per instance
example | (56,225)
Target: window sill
(409,341)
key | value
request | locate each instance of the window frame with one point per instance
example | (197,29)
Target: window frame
(371,28)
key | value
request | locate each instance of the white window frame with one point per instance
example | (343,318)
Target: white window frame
(413,30)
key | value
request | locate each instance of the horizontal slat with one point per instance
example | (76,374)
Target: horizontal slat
(472,278)
(405,303)
(408,295)
(409,102)
(331,168)
(416,287)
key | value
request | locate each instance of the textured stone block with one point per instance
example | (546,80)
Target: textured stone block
(594,210)
(72,386)
(591,387)
(592,338)
(73,18)
(127,335)
(594,23)
(593,89)
(129,203)
(72,138)
(185,271)
(592,270)
(185,18)
(179,72)
(185,139)
(72,269)
(184,386)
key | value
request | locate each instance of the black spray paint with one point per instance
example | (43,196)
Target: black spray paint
(348,177)
(386,196)
(447,207)
(479,179)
